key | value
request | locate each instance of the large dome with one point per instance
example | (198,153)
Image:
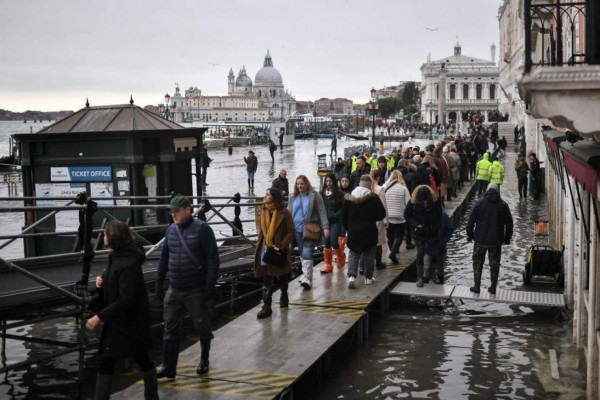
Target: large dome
(268,74)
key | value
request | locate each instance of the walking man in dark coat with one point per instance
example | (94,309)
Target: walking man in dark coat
(191,258)
(360,212)
(205,161)
(490,225)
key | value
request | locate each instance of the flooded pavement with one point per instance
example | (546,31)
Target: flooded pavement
(477,350)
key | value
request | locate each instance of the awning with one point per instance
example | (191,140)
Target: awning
(582,162)
(553,138)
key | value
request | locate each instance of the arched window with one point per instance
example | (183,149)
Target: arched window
(465,91)
(492,92)
(452,92)
(478,91)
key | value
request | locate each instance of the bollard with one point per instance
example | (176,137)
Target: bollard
(230,149)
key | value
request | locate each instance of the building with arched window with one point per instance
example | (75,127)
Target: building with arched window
(454,87)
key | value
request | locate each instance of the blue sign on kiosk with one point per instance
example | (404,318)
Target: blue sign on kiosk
(81,174)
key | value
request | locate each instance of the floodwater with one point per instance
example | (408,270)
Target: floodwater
(475,350)
(417,350)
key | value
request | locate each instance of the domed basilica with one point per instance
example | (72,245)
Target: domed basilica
(263,100)
(267,88)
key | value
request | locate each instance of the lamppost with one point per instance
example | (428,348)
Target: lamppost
(166,111)
(373,106)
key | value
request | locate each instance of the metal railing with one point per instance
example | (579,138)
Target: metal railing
(553,30)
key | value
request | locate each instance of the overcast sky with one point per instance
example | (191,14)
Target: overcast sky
(57,53)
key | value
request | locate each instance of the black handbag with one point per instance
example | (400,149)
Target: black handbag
(276,258)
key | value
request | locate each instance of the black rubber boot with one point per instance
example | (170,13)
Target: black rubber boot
(252,181)
(419,275)
(204,362)
(284,300)
(266,311)
(476,288)
(103,386)
(170,357)
(379,264)
(494,278)
(150,385)
(249,186)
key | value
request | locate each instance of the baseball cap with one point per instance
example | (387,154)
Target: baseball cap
(179,201)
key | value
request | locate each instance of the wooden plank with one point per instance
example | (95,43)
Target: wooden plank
(331,290)
(253,358)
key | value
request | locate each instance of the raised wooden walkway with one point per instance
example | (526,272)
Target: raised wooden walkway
(458,292)
(262,359)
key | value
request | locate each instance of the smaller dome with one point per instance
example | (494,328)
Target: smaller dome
(243,81)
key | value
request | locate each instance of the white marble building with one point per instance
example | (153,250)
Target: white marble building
(456,84)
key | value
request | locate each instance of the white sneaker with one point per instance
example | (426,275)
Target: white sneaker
(301,279)
(351,282)
(369,281)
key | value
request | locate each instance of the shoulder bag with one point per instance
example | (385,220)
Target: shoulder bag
(275,257)
(311,230)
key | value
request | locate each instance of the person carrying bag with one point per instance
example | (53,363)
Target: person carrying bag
(272,256)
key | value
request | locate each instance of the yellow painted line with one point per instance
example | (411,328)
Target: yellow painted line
(342,312)
(259,385)
(396,267)
(331,303)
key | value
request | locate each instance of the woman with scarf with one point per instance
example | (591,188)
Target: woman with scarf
(276,232)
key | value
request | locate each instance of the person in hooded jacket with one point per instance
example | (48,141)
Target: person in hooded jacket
(482,173)
(125,311)
(424,213)
(490,225)
(361,211)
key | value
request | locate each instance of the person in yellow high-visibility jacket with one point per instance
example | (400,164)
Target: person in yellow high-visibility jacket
(482,173)
(496,173)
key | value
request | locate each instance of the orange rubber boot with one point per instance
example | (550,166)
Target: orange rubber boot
(340,255)
(328,258)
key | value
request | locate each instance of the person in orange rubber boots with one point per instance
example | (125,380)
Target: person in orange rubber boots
(333,199)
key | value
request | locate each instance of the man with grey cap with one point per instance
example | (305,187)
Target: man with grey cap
(490,225)
(190,256)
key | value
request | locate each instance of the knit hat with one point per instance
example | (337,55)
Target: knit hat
(179,201)
(493,186)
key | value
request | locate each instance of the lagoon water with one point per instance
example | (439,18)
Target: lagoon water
(417,350)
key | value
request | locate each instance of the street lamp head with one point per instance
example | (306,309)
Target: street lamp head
(373,93)
(167,98)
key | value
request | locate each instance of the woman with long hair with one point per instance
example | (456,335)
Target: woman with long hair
(276,232)
(381,225)
(333,199)
(345,184)
(307,207)
(125,311)
(397,196)
(424,213)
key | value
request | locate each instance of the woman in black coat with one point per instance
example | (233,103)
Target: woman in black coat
(125,311)
(424,213)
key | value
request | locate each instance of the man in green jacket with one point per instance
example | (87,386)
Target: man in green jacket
(482,173)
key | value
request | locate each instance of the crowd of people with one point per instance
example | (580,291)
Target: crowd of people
(367,203)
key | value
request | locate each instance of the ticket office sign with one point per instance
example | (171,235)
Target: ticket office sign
(81,174)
